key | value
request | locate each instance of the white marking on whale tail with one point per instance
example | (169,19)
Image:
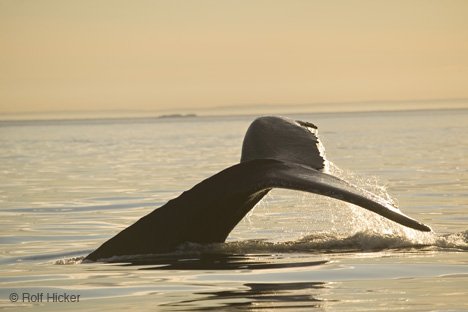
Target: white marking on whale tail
(320,147)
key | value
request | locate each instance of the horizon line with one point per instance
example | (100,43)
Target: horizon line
(243,106)
(69,117)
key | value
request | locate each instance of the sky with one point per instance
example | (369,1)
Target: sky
(163,56)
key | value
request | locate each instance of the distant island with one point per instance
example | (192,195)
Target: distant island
(177,116)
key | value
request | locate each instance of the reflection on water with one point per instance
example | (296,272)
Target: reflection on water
(258,296)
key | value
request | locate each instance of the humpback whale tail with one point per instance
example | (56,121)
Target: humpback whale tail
(276,153)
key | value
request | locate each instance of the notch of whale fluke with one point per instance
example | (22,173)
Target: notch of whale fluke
(277,153)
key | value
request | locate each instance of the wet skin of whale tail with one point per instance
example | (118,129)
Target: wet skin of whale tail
(277,153)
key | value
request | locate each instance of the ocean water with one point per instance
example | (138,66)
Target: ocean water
(66,186)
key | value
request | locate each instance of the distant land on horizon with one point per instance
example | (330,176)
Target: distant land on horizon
(178,116)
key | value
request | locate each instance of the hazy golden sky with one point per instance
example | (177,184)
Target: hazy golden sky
(158,55)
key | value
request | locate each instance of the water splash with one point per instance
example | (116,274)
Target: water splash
(70,261)
(317,243)
(370,184)
(453,241)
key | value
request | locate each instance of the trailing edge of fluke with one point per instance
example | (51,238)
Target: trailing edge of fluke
(277,152)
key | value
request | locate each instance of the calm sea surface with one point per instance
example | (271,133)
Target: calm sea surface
(67,186)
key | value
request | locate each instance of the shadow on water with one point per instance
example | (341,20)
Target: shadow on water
(216,261)
(257,296)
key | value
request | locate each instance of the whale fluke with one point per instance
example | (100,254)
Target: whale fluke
(271,158)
